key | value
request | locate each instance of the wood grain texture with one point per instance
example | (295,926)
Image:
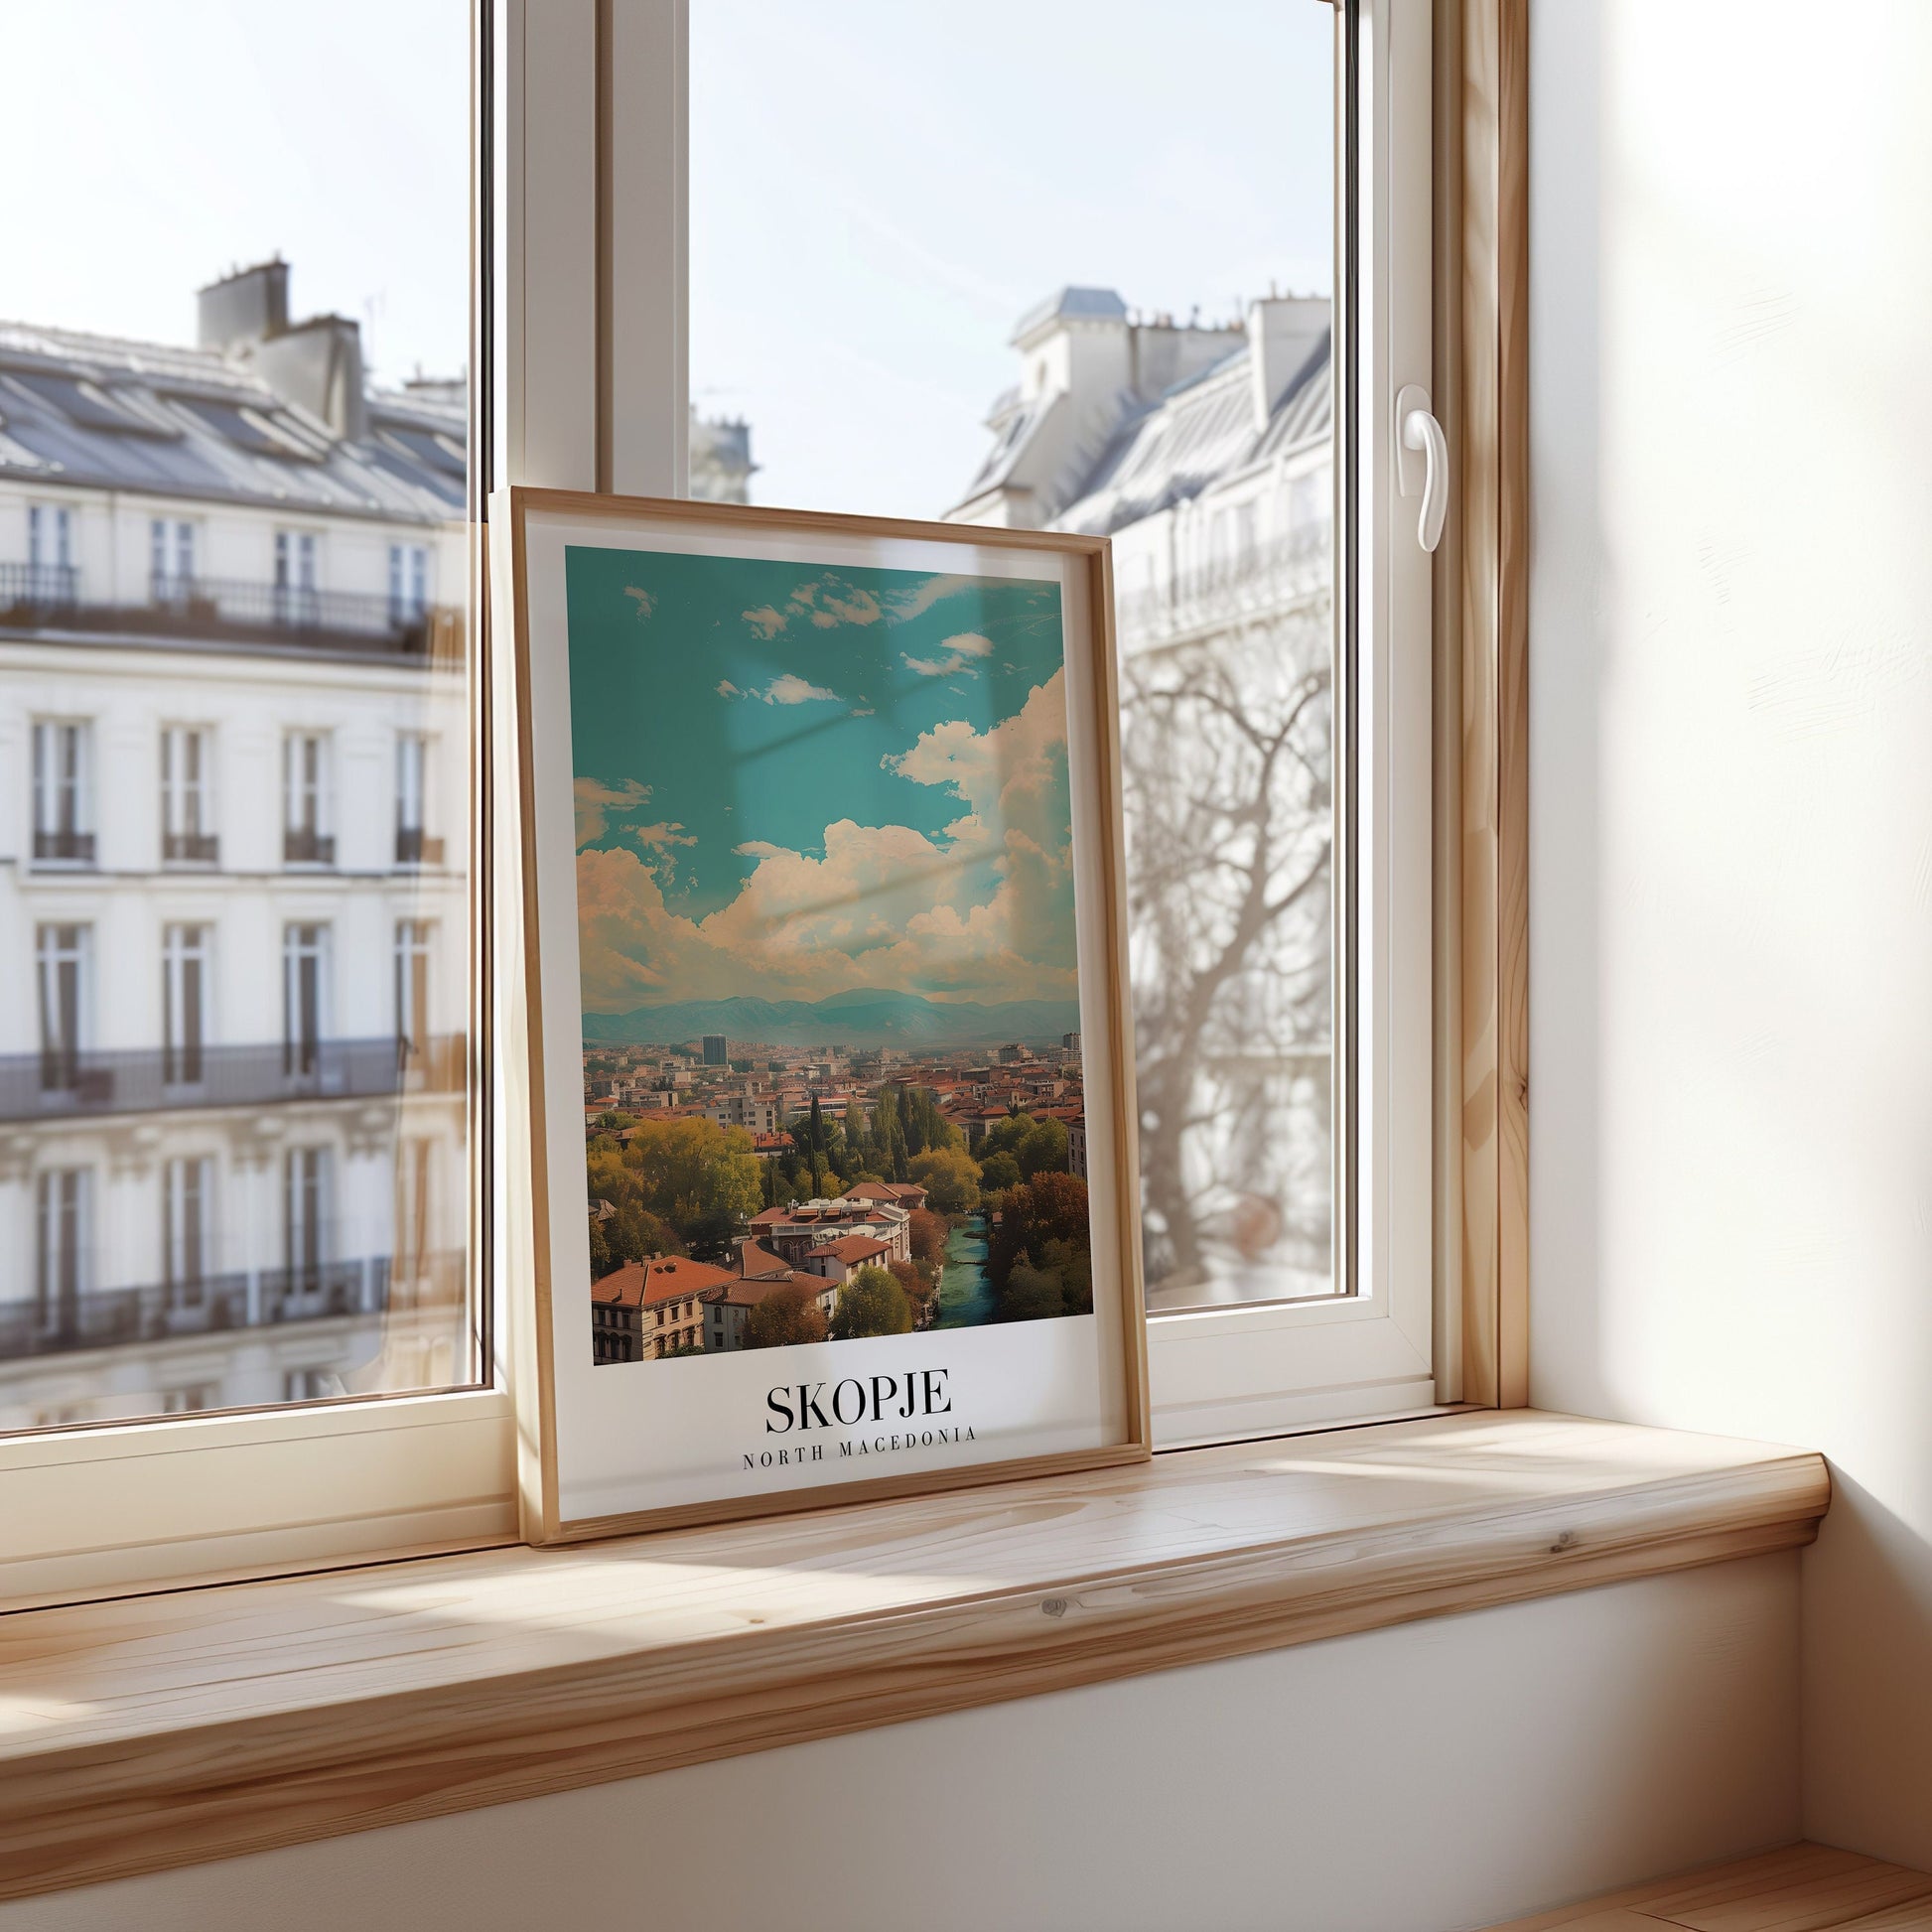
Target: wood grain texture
(1449,1207)
(166,1730)
(1800,1888)
(1482,87)
(1913,1916)
(1512,711)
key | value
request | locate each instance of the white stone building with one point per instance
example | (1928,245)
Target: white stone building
(1205,454)
(234,770)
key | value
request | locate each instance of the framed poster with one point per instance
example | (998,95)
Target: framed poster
(832,1162)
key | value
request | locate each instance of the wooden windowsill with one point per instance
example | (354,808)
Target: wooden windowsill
(198,1723)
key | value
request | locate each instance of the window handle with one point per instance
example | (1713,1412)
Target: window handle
(1419,434)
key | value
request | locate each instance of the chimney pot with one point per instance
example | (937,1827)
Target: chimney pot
(247,306)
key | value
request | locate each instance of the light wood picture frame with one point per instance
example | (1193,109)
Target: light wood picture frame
(674,888)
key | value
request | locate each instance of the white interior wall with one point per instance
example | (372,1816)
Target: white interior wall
(1437,1776)
(1731,764)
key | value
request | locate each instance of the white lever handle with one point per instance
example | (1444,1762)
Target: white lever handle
(1418,431)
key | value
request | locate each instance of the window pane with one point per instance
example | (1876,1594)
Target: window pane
(1083,284)
(233,661)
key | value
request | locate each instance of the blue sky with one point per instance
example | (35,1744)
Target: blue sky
(878,190)
(792,783)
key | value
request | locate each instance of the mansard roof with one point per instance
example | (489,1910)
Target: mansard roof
(105,412)
(1198,432)
(1072,304)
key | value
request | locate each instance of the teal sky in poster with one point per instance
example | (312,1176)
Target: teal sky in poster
(792,783)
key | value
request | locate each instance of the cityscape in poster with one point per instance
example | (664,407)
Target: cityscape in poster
(826,928)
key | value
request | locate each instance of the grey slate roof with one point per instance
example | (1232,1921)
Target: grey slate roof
(1200,430)
(98,411)
(1087,305)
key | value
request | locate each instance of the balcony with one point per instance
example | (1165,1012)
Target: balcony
(302,846)
(225,1303)
(234,610)
(414,847)
(63,848)
(191,849)
(1254,584)
(49,587)
(64,1084)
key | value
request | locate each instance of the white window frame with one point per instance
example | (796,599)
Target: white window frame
(307,798)
(408,582)
(47,1184)
(306,944)
(49,781)
(186,1023)
(188,1178)
(172,546)
(50,529)
(1253,1369)
(51,953)
(412,996)
(412,789)
(578,402)
(186,798)
(102,1509)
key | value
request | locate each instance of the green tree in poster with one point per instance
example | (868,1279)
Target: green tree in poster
(633,1230)
(999,1171)
(928,1234)
(698,1178)
(871,1303)
(1031,1294)
(950,1178)
(889,1134)
(1072,1262)
(920,1279)
(812,1141)
(1035,1145)
(1043,1149)
(788,1316)
(1042,1225)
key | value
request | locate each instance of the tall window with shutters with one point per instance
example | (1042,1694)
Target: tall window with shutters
(63,832)
(185,1006)
(188,828)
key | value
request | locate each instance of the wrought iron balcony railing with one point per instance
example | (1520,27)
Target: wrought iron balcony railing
(63,848)
(62,1082)
(191,849)
(234,610)
(216,1305)
(414,847)
(302,846)
(1246,583)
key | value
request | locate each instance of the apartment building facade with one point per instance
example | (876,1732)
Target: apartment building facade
(234,911)
(1205,453)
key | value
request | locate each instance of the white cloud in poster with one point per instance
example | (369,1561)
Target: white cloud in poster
(825,602)
(959,652)
(597,804)
(790,689)
(982,910)
(903,606)
(660,837)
